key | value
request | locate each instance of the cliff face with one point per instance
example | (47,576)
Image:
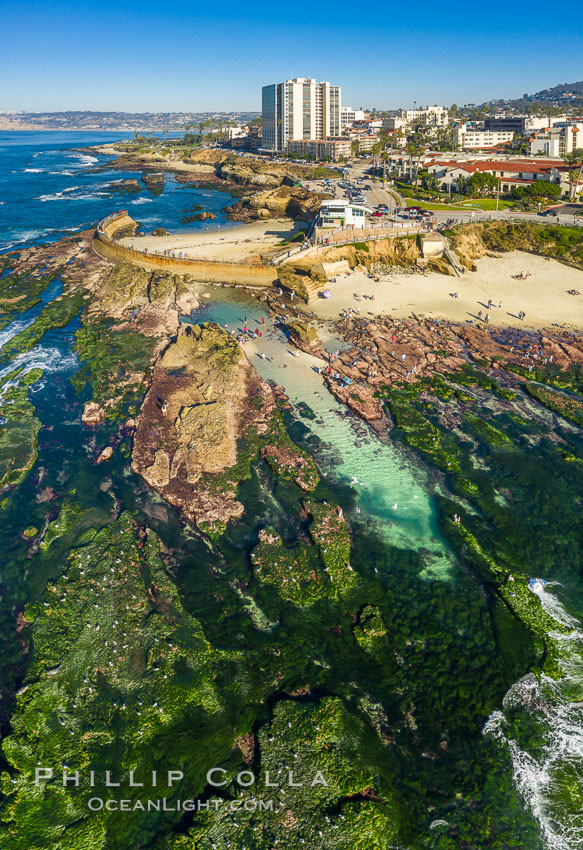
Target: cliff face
(292,201)
(246,171)
(204,397)
(474,241)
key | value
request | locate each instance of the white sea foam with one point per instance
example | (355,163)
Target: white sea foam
(142,201)
(84,159)
(14,328)
(48,358)
(33,170)
(551,782)
(58,196)
(63,196)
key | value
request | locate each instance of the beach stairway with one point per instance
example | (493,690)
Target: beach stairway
(452,258)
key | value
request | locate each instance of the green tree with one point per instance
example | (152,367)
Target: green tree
(574,161)
(482,183)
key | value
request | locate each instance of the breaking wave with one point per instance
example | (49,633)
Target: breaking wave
(50,359)
(549,775)
(13,329)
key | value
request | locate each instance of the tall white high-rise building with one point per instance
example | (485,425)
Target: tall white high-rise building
(299,109)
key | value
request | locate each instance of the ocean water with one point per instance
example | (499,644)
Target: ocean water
(50,190)
(390,491)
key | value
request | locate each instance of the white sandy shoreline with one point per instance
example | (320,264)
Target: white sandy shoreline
(543,296)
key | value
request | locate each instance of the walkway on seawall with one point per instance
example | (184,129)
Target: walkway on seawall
(250,274)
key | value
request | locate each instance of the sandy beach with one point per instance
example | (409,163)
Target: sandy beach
(234,242)
(542,296)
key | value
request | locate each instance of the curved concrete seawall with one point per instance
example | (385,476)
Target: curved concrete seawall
(206,271)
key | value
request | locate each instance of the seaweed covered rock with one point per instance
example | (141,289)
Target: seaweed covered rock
(307,572)
(121,678)
(324,792)
(204,397)
(19,427)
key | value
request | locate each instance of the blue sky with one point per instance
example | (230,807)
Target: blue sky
(183,56)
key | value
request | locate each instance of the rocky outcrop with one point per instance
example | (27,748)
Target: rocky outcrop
(199,216)
(132,186)
(154,182)
(151,302)
(293,201)
(92,414)
(304,336)
(204,397)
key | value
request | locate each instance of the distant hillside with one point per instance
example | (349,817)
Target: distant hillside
(127,121)
(561,95)
(562,89)
(563,92)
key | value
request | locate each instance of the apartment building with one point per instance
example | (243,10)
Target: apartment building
(468,137)
(297,109)
(430,117)
(349,116)
(562,138)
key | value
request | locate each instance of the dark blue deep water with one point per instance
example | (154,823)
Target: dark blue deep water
(47,188)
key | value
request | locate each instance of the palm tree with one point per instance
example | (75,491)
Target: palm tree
(375,150)
(572,160)
(411,150)
(385,157)
(550,112)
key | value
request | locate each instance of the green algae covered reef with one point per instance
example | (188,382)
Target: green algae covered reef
(192,609)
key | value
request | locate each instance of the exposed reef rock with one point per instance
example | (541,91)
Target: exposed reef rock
(204,397)
(292,201)
(151,302)
(131,185)
(154,183)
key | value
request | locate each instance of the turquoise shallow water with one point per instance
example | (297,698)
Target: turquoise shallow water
(390,491)
(393,495)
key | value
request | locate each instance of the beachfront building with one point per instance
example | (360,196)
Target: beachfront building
(560,139)
(430,117)
(342,213)
(469,138)
(350,116)
(332,149)
(299,109)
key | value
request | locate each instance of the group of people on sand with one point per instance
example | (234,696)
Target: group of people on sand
(363,297)
(520,276)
